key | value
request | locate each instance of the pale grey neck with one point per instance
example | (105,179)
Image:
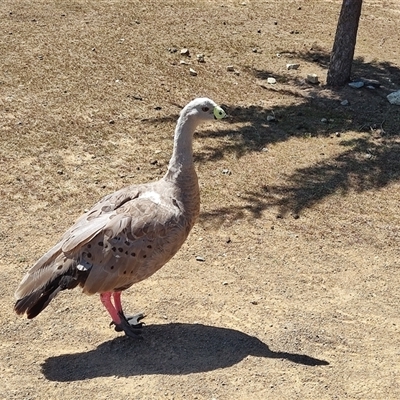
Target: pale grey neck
(182,155)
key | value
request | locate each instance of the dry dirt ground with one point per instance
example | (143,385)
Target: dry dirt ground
(298,295)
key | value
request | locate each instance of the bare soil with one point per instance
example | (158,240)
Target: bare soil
(297,296)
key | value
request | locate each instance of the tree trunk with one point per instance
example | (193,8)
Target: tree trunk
(345,42)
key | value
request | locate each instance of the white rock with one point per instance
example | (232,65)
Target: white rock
(271,81)
(270,118)
(394,98)
(312,78)
(185,52)
(230,68)
(344,103)
(324,120)
(183,62)
(192,72)
(200,58)
(292,66)
(356,85)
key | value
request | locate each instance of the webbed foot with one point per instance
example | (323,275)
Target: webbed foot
(130,325)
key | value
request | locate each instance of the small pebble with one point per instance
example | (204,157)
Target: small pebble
(226,172)
(292,66)
(271,118)
(192,72)
(312,78)
(356,85)
(200,58)
(394,98)
(271,81)
(200,258)
(230,68)
(344,103)
(185,52)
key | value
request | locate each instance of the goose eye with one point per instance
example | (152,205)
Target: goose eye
(205,109)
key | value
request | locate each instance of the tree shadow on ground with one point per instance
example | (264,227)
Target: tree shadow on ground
(364,166)
(372,161)
(175,348)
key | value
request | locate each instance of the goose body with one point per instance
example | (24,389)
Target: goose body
(125,237)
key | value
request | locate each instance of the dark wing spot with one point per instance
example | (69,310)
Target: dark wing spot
(59,267)
(133,254)
(144,255)
(89,246)
(114,248)
(175,203)
(127,242)
(101,244)
(124,272)
(149,246)
(120,249)
(112,267)
(89,255)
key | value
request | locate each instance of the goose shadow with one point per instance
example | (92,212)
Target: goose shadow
(173,349)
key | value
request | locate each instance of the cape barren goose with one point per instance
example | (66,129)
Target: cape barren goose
(127,236)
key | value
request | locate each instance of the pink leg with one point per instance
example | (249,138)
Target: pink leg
(118,318)
(117,301)
(106,300)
